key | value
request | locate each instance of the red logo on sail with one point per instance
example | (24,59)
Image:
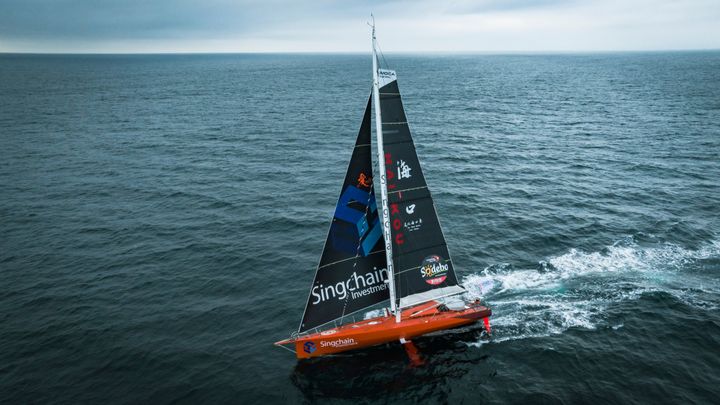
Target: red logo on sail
(364,180)
(396,224)
(389,173)
(433,270)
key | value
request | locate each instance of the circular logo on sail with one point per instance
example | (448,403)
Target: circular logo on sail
(433,270)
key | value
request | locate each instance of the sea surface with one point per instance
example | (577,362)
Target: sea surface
(161,218)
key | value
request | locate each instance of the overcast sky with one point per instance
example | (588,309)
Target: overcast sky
(339,26)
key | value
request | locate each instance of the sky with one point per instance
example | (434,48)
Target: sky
(158,26)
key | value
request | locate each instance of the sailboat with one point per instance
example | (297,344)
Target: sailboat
(393,252)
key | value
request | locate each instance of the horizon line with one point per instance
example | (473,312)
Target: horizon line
(432,52)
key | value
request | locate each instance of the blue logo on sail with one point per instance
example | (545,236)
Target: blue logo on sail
(353,231)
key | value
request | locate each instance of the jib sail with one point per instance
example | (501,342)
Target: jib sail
(352,272)
(422,265)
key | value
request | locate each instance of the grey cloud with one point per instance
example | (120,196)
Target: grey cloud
(68,25)
(130,19)
(103,19)
(480,6)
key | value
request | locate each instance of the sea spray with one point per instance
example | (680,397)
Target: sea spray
(575,288)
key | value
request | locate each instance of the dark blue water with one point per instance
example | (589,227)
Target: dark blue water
(162,217)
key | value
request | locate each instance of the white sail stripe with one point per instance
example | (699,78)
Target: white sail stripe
(430,295)
(383,77)
(408,189)
(349,258)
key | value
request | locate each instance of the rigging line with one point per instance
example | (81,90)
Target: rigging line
(382,55)
(317,328)
(287,348)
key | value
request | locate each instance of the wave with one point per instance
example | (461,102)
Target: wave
(574,289)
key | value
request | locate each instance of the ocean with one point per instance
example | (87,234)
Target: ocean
(162,217)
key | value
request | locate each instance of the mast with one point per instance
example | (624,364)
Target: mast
(383,180)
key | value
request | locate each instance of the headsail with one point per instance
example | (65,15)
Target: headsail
(422,266)
(352,272)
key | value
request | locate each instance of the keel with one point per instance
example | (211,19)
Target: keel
(413,353)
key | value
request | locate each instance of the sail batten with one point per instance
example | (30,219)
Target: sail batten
(349,258)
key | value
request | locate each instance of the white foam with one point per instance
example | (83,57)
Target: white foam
(573,290)
(623,259)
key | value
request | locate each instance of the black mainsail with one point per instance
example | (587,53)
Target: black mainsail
(422,267)
(352,272)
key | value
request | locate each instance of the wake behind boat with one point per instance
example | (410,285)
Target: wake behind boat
(404,261)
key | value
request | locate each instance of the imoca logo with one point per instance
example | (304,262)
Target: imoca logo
(309,347)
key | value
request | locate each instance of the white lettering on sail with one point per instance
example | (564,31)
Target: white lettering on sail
(413,225)
(403,170)
(386,76)
(358,285)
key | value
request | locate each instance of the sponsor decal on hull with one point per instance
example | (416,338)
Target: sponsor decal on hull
(338,342)
(309,347)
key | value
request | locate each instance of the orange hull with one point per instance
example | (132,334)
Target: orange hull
(415,321)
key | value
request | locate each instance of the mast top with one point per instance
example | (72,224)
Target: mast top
(372,25)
